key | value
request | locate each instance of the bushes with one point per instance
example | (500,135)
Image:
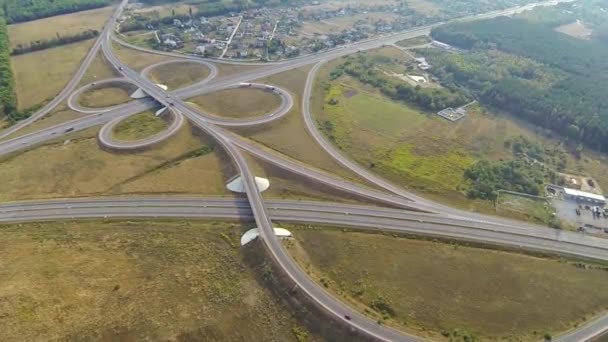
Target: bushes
(45,44)
(432,99)
(8,98)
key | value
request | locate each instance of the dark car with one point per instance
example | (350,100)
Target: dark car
(347,317)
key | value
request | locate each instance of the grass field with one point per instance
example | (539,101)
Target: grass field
(238,103)
(179,75)
(63,25)
(79,167)
(420,150)
(286,185)
(41,75)
(288,135)
(135,280)
(531,208)
(232,69)
(435,289)
(107,96)
(99,69)
(139,126)
(137,59)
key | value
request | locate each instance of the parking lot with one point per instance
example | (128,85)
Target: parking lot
(566,210)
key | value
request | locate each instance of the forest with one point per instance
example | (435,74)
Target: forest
(365,70)
(25,10)
(532,166)
(562,91)
(8,98)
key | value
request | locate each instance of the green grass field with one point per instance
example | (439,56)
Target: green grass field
(528,207)
(139,126)
(238,103)
(41,75)
(135,280)
(288,135)
(435,289)
(179,75)
(420,150)
(107,96)
(63,25)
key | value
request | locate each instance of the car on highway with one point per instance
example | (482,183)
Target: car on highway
(347,317)
(69,129)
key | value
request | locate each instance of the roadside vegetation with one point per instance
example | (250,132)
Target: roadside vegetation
(238,103)
(364,68)
(452,292)
(57,41)
(139,126)
(151,280)
(8,98)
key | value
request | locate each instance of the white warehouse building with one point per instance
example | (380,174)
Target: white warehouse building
(584,196)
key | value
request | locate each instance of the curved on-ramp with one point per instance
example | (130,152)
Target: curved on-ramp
(107,140)
(75,105)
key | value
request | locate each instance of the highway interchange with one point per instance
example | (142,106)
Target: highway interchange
(424,217)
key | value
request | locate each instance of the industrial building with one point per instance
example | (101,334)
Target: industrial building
(584,196)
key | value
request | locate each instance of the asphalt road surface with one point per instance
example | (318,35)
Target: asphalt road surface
(440,220)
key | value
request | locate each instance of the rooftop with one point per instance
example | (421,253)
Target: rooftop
(578,193)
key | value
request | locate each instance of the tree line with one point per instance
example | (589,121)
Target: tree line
(571,100)
(25,10)
(365,70)
(8,98)
(49,43)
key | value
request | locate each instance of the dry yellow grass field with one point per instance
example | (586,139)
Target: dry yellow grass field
(99,69)
(231,69)
(135,281)
(206,174)
(41,75)
(137,59)
(79,167)
(179,75)
(288,135)
(64,25)
(107,96)
(435,289)
(251,102)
